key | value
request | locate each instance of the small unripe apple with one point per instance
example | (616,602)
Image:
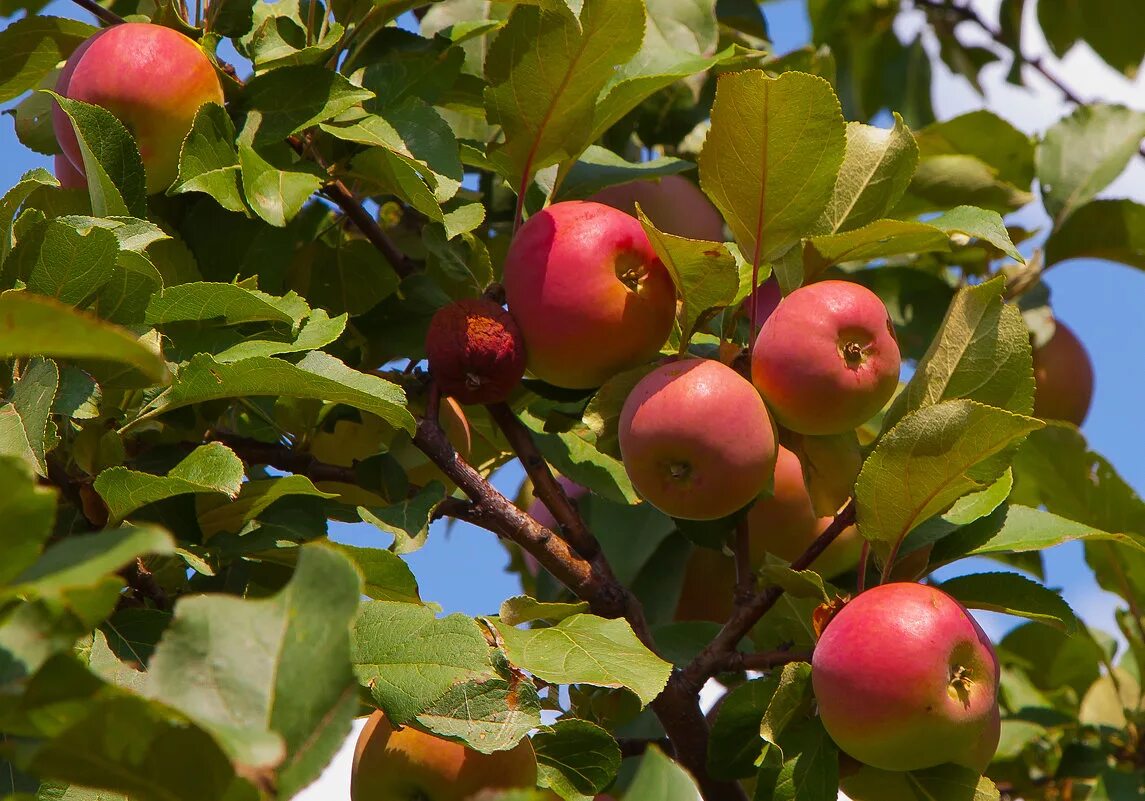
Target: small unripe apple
(475,351)
(696,439)
(66,173)
(673,204)
(589,293)
(1063,377)
(410,765)
(906,679)
(154,79)
(785,523)
(826,360)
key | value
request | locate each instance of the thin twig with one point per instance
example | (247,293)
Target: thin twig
(762,661)
(104,14)
(545,485)
(745,616)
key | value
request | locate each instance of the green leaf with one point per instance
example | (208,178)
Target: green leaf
(949,450)
(1013,594)
(599,167)
(585,649)
(987,137)
(523,609)
(86,560)
(292,99)
(407,521)
(209,468)
(318,375)
(269,678)
(275,183)
(791,696)
(317,332)
(799,583)
(221,514)
(810,769)
(981,353)
(111,161)
(12,200)
(576,757)
(74,261)
(31,47)
(877,167)
(385,575)
(947,782)
(40,326)
(1019,529)
(209,160)
(1083,153)
(26,508)
(545,69)
(1113,230)
(978,224)
(736,744)
(771,158)
(660,778)
(32,399)
(878,240)
(230,304)
(489,715)
(704,273)
(408,659)
(942,182)
(352,278)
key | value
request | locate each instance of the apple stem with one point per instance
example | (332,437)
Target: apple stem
(864,555)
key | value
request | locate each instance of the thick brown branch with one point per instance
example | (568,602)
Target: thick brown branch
(545,485)
(745,616)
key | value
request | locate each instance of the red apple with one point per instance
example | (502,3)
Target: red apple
(475,351)
(674,204)
(906,679)
(696,439)
(66,173)
(1063,376)
(410,765)
(826,360)
(590,295)
(785,523)
(154,79)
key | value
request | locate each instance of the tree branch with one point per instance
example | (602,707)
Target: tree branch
(104,14)
(545,485)
(967,14)
(762,661)
(285,458)
(365,222)
(745,616)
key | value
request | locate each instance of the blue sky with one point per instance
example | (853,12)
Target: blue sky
(463,570)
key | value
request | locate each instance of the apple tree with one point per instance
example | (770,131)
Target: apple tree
(753,323)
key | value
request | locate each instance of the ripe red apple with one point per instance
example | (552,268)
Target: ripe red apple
(785,523)
(696,439)
(674,204)
(1063,376)
(906,679)
(66,173)
(154,79)
(826,360)
(475,351)
(410,765)
(588,292)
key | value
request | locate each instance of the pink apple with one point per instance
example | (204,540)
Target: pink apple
(590,295)
(696,439)
(905,679)
(826,360)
